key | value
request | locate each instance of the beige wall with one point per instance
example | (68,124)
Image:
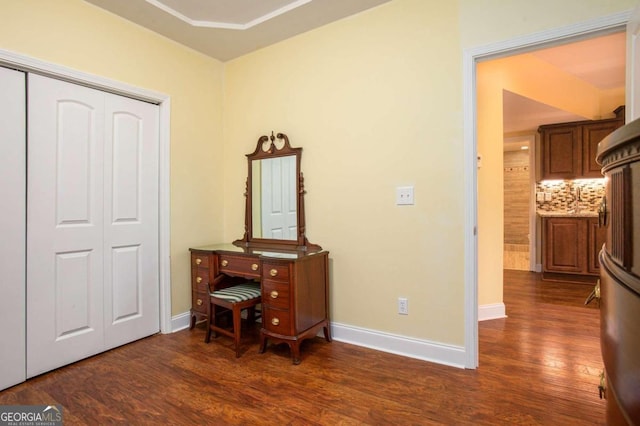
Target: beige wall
(374,99)
(491,21)
(373,110)
(78,35)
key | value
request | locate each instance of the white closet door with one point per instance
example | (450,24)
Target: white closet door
(12,227)
(92,222)
(65,224)
(131,216)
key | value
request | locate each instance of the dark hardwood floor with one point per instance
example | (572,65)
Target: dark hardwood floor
(539,366)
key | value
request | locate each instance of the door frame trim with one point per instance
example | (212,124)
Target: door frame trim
(26,63)
(600,25)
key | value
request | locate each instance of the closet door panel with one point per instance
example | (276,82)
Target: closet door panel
(12,227)
(131,229)
(65,217)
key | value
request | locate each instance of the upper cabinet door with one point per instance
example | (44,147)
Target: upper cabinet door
(561,152)
(592,134)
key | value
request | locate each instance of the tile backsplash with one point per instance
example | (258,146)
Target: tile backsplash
(563,194)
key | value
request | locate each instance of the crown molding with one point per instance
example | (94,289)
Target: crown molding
(228,25)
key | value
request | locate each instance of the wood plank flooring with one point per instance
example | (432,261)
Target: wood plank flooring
(539,366)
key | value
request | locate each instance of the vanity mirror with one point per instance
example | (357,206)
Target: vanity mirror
(274,211)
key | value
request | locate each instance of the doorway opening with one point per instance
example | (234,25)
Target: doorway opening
(476,160)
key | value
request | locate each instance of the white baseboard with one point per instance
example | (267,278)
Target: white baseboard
(180,321)
(492,311)
(400,345)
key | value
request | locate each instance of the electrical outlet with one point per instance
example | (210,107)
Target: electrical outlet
(404,195)
(539,196)
(547,196)
(403,306)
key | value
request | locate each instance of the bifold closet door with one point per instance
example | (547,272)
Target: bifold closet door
(92,222)
(12,227)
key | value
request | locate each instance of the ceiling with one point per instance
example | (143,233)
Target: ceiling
(598,61)
(227,29)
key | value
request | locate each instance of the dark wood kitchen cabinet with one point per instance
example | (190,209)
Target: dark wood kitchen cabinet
(592,134)
(568,150)
(596,237)
(561,152)
(570,248)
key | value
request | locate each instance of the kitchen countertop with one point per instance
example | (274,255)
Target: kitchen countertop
(566,213)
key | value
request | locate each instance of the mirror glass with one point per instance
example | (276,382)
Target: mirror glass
(274,198)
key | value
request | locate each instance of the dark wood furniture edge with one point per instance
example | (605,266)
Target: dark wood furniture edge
(294,342)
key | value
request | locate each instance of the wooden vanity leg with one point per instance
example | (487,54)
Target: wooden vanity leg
(263,343)
(327,333)
(295,352)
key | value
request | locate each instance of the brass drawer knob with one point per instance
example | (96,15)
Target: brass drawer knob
(274,294)
(198,261)
(273,272)
(254,267)
(199,302)
(199,280)
(224,262)
(275,321)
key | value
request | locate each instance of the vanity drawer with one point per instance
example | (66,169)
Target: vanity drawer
(275,294)
(277,321)
(239,265)
(275,271)
(199,260)
(199,302)
(200,280)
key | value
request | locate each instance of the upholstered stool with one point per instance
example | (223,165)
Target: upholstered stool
(235,298)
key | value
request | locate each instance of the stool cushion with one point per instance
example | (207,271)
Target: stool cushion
(238,293)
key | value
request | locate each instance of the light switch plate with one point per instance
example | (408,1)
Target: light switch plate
(547,196)
(404,195)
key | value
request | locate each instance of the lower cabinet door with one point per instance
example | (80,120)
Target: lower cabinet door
(596,237)
(565,245)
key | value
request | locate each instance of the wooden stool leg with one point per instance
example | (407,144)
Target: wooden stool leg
(237,324)
(210,314)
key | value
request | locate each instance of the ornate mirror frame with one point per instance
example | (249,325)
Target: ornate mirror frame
(267,147)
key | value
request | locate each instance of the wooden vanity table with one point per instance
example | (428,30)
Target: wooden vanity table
(294,274)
